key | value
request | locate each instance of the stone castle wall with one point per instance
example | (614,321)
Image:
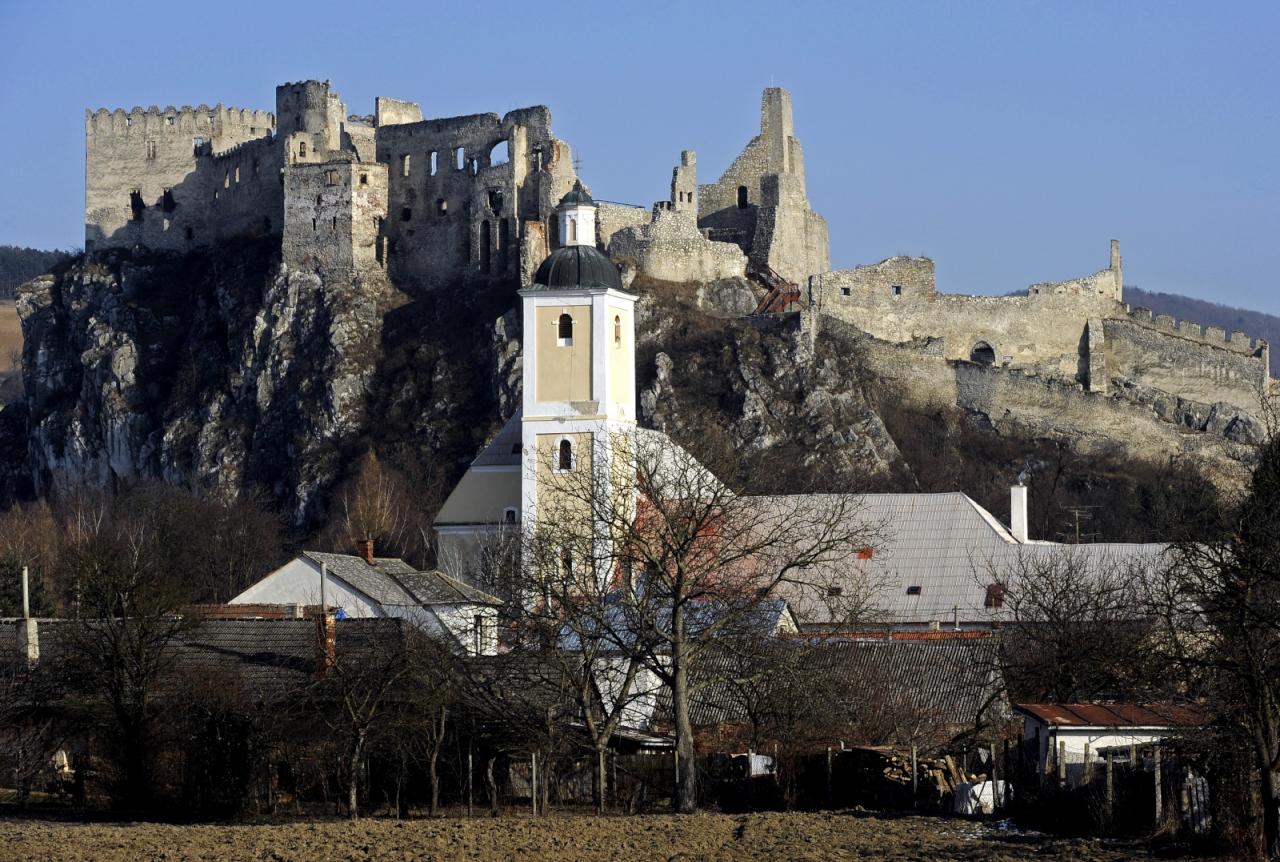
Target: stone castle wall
(333,214)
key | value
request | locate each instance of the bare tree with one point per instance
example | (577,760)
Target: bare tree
(686,559)
(378,503)
(1220,606)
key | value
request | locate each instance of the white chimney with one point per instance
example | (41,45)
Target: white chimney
(1018,512)
(28,629)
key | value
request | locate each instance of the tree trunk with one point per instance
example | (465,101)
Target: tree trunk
(686,791)
(1270,810)
(600,780)
(353,778)
(435,780)
(491,785)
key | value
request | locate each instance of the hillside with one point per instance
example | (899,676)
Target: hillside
(1256,324)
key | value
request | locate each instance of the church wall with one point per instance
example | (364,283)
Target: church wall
(563,373)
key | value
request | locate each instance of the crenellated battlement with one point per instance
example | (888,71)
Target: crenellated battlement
(1214,336)
(186,119)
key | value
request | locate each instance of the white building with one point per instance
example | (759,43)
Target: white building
(368,586)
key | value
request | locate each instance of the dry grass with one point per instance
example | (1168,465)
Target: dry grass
(10,336)
(774,836)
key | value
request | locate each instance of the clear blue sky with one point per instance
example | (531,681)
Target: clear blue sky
(1008,141)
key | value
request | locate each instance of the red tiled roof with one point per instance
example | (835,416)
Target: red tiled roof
(1114,714)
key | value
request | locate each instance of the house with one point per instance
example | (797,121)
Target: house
(367,586)
(1077,733)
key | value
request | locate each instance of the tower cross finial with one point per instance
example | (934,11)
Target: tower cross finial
(577,164)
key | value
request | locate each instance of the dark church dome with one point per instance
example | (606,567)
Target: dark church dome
(577,266)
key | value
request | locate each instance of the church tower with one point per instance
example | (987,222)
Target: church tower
(579,364)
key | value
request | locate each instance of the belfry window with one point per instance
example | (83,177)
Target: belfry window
(564,455)
(564,331)
(573,230)
(566,563)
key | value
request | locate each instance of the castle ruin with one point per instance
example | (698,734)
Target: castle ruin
(437,203)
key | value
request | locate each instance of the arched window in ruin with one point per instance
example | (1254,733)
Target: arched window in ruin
(564,330)
(617,331)
(983,354)
(564,455)
(742,197)
(500,154)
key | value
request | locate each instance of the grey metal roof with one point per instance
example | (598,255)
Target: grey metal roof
(504,449)
(574,267)
(577,196)
(933,555)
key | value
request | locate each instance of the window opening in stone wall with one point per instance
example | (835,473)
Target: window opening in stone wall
(565,455)
(302,149)
(564,331)
(485,247)
(151,150)
(237,173)
(459,157)
(190,234)
(255,167)
(495,201)
(406,213)
(434,160)
(617,331)
(319,200)
(442,207)
(168,121)
(983,354)
(335,223)
(136,206)
(475,166)
(844,291)
(197,146)
(313,225)
(503,242)
(167,203)
(164,225)
(226,179)
(364,179)
(500,154)
(404,165)
(742,197)
(897,290)
(331,177)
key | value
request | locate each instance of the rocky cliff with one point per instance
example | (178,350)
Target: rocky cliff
(228,374)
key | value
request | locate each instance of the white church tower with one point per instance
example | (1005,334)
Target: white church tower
(579,360)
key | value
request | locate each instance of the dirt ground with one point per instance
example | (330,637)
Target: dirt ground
(773,836)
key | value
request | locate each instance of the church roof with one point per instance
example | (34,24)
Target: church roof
(577,197)
(577,266)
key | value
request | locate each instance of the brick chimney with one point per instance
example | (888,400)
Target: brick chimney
(366,550)
(326,643)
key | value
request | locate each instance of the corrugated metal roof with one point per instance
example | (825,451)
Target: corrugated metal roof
(1114,714)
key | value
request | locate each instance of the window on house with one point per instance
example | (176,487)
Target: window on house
(566,562)
(136,206)
(406,213)
(478,622)
(742,197)
(404,165)
(995,596)
(331,177)
(509,515)
(617,331)
(564,330)
(167,203)
(913,590)
(564,455)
